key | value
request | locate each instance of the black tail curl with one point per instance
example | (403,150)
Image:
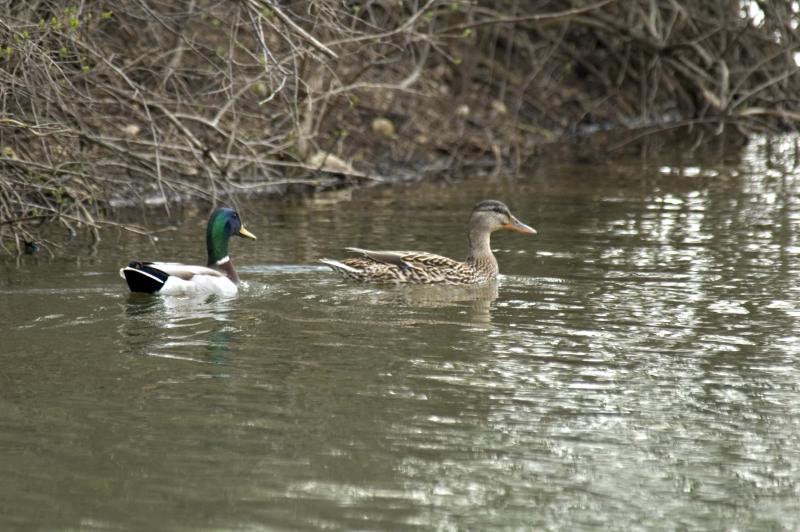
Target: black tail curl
(141,277)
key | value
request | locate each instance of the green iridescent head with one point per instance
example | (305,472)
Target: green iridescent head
(223,224)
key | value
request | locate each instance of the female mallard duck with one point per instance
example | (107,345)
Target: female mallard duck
(420,268)
(176,279)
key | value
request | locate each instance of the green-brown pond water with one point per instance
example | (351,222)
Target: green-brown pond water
(636,366)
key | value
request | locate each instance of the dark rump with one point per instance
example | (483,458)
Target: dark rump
(143,278)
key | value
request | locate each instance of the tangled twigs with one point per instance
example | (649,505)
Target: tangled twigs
(256,4)
(499,18)
(112,103)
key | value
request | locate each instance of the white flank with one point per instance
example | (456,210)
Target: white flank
(199,285)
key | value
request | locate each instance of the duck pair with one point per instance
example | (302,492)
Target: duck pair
(219,277)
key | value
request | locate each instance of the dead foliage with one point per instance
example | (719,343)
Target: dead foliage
(113,103)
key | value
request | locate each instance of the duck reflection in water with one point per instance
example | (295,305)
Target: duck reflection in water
(198,329)
(477,300)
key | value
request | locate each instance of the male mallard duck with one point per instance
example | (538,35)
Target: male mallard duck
(419,267)
(176,279)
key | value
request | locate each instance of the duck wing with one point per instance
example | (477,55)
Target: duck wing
(407,259)
(183,271)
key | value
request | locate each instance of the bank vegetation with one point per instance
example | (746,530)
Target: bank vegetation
(106,104)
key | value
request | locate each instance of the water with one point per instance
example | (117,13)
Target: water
(636,366)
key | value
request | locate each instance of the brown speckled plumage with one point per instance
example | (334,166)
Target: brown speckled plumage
(427,268)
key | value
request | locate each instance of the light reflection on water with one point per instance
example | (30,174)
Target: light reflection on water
(635,366)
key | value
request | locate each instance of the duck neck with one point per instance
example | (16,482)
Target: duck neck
(217,240)
(225,265)
(480,250)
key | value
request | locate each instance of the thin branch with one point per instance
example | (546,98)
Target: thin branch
(537,17)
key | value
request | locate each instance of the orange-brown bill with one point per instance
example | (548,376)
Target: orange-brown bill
(516,225)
